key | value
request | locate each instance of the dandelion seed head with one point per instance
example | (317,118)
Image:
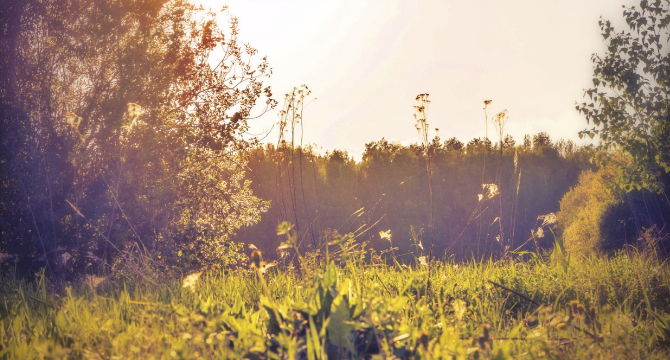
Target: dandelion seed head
(549,219)
(385,235)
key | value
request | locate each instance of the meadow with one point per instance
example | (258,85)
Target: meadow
(142,217)
(338,304)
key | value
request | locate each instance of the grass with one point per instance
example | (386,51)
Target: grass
(589,308)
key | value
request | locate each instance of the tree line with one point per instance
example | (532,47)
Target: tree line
(387,190)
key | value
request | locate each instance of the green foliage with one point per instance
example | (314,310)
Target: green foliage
(119,138)
(589,308)
(583,211)
(598,217)
(388,190)
(630,108)
(541,140)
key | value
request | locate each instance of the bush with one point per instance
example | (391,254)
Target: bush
(584,211)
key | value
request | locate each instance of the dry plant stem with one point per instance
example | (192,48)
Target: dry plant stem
(384,285)
(500,195)
(279,174)
(302,184)
(422,128)
(96,229)
(292,180)
(470,220)
(290,112)
(279,188)
(499,121)
(432,227)
(515,293)
(308,227)
(111,218)
(292,185)
(486,122)
(124,215)
(316,191)
(369,227)
(515,209)
(432,212)
(51,201)
(39,301)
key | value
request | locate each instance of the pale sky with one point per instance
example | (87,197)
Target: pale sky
(366,60)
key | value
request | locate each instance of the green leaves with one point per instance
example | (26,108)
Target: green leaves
(341,325)
(632,93)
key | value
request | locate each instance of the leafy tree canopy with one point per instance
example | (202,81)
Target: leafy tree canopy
(630,98)
(121,134)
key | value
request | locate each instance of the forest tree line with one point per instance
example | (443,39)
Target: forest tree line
(387,190)
(536,180)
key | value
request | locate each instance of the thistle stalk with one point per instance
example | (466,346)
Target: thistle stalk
(422,129)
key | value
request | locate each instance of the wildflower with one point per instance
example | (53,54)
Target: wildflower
(422,261)
(385,235)
(549,219)
(539,233)
(500,119)
(488,191)
(190,281)
(265,267)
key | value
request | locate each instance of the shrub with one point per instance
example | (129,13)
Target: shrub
(584,211)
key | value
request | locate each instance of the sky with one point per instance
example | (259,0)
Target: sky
(365,62)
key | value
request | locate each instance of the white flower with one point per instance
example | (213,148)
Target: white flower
(190,281)
(488,191)
(549,219)
(385,235)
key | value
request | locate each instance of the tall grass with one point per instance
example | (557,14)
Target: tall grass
(589,308)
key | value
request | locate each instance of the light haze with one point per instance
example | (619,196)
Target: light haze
(365,62)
